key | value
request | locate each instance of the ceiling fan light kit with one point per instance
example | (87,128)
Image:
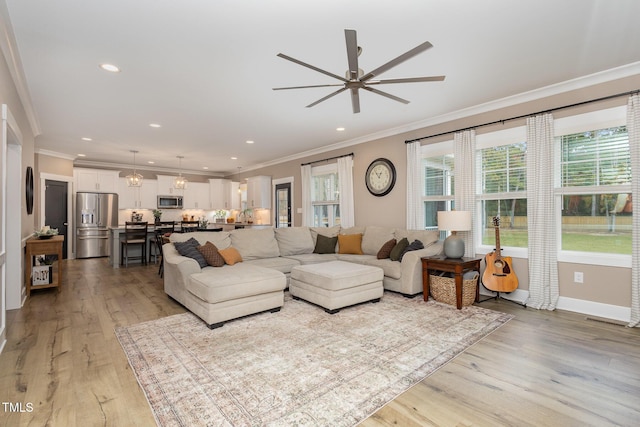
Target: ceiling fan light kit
(355,79)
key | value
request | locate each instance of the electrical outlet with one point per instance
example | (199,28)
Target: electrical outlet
(578,277)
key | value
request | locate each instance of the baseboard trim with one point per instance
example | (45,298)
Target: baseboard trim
(588,308)
(598,309)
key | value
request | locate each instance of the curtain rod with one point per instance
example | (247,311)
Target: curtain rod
(327,159)
(495,122)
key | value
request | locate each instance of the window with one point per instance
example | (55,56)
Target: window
(439,181)
(502,192)
(595,191)
(325,196)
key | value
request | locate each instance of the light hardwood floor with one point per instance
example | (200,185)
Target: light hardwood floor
(540,369)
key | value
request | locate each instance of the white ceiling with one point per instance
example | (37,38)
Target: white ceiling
(205,69)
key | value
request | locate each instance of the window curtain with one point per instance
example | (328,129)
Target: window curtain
(307,208)
(415,207)
(345,185)
(543,260)
(465,180)
(633,129)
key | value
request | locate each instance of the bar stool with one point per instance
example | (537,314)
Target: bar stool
(135,234)
(161,228)
(189,226)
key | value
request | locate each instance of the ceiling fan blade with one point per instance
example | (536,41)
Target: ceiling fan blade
(326,97)
(306,87)
(397,61)
(352,53)
(304,64)
(387,95)
(355,100)
(407,80)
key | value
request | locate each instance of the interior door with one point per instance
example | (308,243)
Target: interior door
(56,214)
(283,205)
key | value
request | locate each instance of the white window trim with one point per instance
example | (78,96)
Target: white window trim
(600,119)
(487,140)
(323,170)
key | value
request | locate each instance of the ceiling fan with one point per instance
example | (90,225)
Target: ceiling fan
(356,79)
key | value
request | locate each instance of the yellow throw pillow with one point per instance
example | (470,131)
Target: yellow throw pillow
(230,255)
(350,244)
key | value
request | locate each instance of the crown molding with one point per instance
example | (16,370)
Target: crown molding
(54,154)
(158,170)
(9,49)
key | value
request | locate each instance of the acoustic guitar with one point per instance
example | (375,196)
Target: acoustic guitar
(498,275)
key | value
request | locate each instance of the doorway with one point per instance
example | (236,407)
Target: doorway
(56,214)
(283,205)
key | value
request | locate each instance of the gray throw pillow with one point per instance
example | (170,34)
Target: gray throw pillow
(190,250)
(396,252)
(325,245)
(414,246)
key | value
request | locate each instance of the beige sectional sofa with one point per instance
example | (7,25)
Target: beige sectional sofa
(269,250)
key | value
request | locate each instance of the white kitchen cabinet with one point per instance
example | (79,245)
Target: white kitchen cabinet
(216,193)
(127,198)
(259,192)
(232,195)
(137,197)
(224,194)
(97,180)
(165,186)
(196,196)
(149,194)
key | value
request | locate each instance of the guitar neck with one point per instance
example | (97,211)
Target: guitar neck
(498,251)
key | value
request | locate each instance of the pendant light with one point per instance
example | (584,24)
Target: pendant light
(135,179)
(180,182)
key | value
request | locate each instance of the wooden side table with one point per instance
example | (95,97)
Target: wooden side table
(34,247)
(457,266)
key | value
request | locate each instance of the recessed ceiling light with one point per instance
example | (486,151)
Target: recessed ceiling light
(249,142)
(234,158)
(151,162)
(81,155)
(109,67)
(340,129)
(86,139)
(155,125)
(205,167)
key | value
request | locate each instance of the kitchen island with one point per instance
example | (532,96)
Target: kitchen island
(116,234)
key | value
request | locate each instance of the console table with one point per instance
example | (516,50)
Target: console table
(35,247)
(457,266)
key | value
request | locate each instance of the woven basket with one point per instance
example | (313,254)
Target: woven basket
(443,289)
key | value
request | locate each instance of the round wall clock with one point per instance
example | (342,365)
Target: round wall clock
(380,177)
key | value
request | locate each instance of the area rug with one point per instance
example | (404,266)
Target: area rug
(300,366)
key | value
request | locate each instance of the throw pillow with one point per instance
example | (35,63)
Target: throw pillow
(414,246)
(350,244)
(398,248)
(325,245)
(189,249)
(385,250)
(231,255)
(210,252)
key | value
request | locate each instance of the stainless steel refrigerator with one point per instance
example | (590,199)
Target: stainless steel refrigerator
(95,213)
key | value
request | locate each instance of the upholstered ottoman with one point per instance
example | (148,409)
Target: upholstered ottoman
(336,284)
(224,293)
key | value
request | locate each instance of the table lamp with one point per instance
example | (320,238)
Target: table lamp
(454,221)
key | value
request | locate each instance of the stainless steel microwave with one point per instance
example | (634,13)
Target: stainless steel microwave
(169,202)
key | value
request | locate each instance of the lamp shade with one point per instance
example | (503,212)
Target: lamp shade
(454,220)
